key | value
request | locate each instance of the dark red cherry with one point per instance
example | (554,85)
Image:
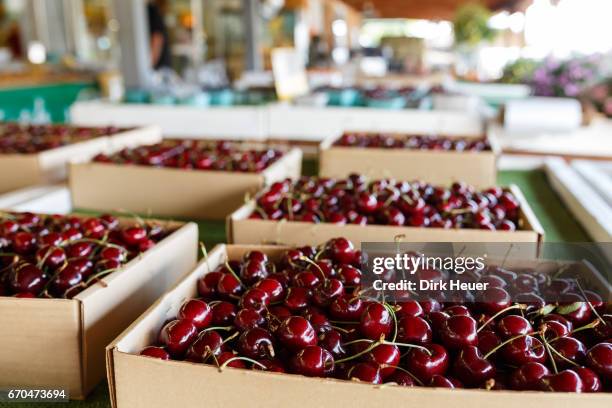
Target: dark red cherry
(426,365)
(197,312)
(376,321)
(565,381)
(599,359)
(207,285)
(256,343)
(24,242)
(350,275)
(346,308)
(297,298)
(273,288)
(342,250)
(313,361)
(255,298)
(207,343)
(494,300)
(248,318)
(327,292)
(471,366)
(513,325)
(253,271)
(571,349)
(387,356)
(413,329)
(228,286)
(295,333)
(365,372)
(226,356)
(223,313)
(272,365)
(524,350)
(133,236)
(441,381)
(177,336)
(458,332)
(155,352)
(332,341)
(409,308)
(26,277)
(527,376)
(590,380)
(401,378)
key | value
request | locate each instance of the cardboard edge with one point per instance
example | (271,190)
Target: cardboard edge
(288,166)
(528,212)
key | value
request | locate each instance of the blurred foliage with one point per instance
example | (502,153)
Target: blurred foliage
(471,25)
(519,71)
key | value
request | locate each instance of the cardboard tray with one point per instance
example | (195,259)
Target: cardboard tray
(242,230)
(142,382)
(50,166)
(437,167)
(172,192)
(60,342)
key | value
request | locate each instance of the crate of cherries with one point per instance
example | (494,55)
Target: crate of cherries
(412,208)
(436,158)
(306,311)
(197,155)
(16,138)
(55,256)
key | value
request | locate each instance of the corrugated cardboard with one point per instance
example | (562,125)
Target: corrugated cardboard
(142,382)
(242,230)
(60,343)
(50,166)
(172,192)
(434,166)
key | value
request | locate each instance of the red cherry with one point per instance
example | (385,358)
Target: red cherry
(565,381)
(376,321)
(155,352)
(412,329)
(426,365)
(296,333)
(223,313)
(256,343)
(133,236)
(599,359)
(527,376)
(26,278)
(207,343)
(313,361)
(458,332)
(365,372)
(177,336)
(197,312)
(387,356)
(472,368)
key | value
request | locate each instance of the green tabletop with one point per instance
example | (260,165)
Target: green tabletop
(558,223)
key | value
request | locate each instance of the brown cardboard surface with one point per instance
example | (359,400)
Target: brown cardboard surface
(437,167)
(171,192)
(106,310)
(50,166)
(60,342)
(40,343)
(242,230)
(137,381)
(19,170)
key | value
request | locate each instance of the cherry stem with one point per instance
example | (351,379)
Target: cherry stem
(394,317)
(310,261)
(588,302)
(98,275)
(496,315)
(99,242)
(416,346)
(361,353)
(591,325)
(250,360)
(341,322)
(41,263)
(204,254)
(510,340)
(348,343)
(227,328)
(230,338)
(340,329)
(229,268)
(550,356)
(405,371)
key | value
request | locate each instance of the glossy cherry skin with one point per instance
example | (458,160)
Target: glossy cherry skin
(207,285)
(401,378)
(197,312)
(441,381)
(524,350)
(424,366)
(26,278)
(155,352)
(346,308)
(527,376)
(133,236)
(256,343)
(248,318)
(207,343)
(413,329)
(273,288)
(271,365)
(228,355)
(471,367)
(376,322)
(387,356)
(599,359)
(332,341)
(494,300)
(590,380)
(313,361)
(365,372)
(295,333)
(459,331)
(223,313)
(228,285)
(342,250)
(570,348)
(177,336)
(298,298)
(513,325)
(565,381)
(255,298)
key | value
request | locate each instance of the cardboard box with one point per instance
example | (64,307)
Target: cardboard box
(50,166)
(434,166)
(172,192)
(60,342)
(242,230)
(142,382)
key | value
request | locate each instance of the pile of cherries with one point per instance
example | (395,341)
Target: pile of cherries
(415,142)
(388,202)
(196,154)
(55,256)
(307,313)
(16,138)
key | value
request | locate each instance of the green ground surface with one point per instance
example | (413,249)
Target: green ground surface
(558,223)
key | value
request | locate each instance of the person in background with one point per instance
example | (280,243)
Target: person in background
(158,32)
